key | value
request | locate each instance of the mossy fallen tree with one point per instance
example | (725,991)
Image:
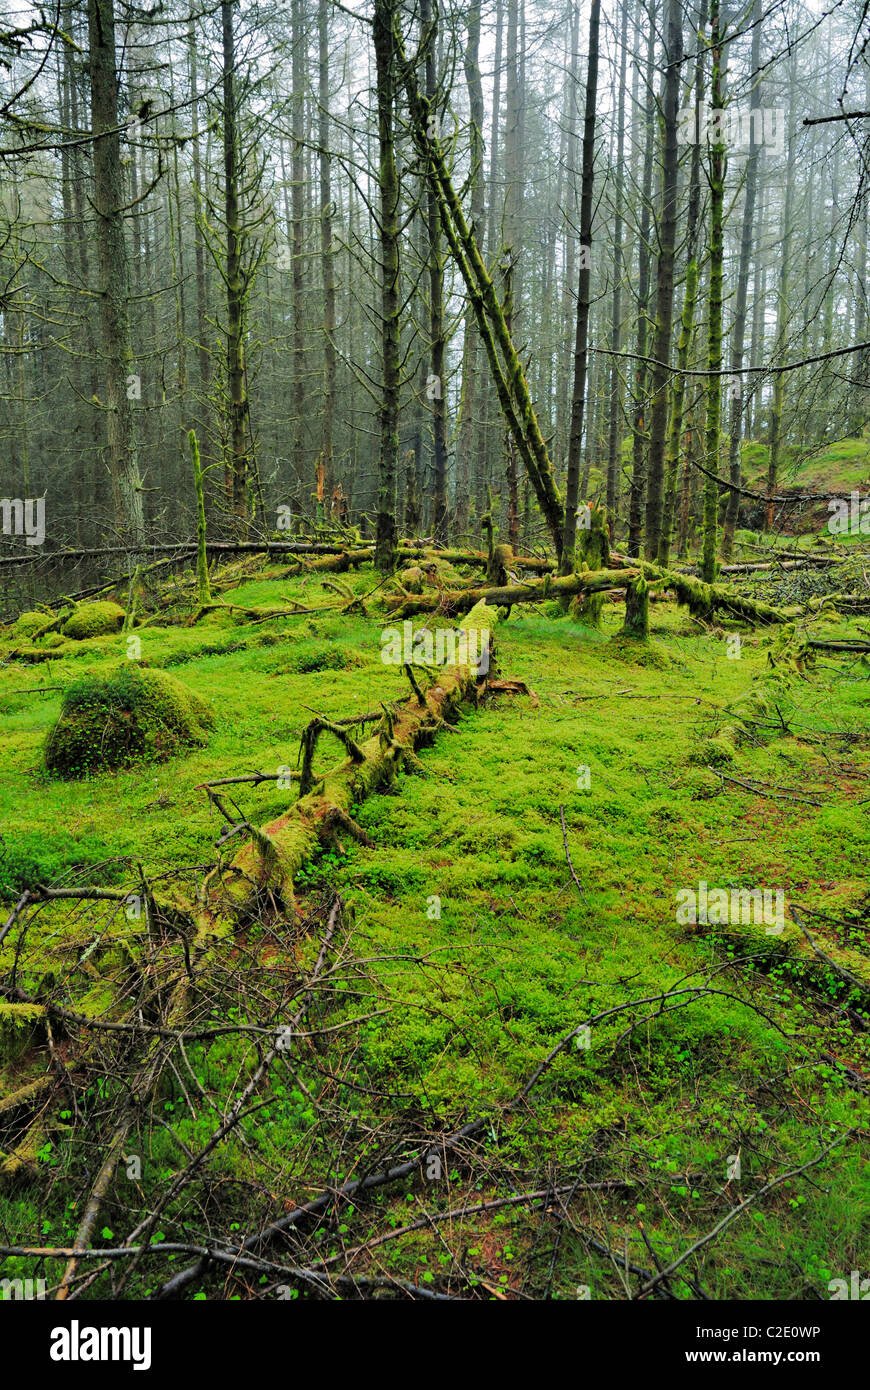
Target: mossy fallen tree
(704,599)
(267,864)
(261,874)
(455,601)
(700,598)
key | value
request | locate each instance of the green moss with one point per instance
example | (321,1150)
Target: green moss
(134,713)
(17,1028)
(94,620)
(28,624)
(716,751)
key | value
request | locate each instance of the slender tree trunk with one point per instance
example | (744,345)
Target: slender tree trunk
(235,349)
(388,182)
(614,433)
(775,436)
(584,287)
(470,355)
(113,268)
(664,282)
(714,337)
(327,260)
(299,32)
(738,331)
(511,238)
(638,470)
(437,393)
(687,320)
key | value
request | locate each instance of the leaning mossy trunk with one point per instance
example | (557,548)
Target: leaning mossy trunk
(134,714)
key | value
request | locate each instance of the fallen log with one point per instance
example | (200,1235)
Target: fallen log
(267,864)
(703,599)
(455,601)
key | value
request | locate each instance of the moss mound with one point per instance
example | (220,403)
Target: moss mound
(94,620)
(31,622)
(135,714)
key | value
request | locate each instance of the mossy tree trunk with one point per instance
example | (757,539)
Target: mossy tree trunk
(470,355)
(687,322)
(235,286)
(109,201)
(507,370)
(714,333)
(592,553)
(437,332)
(385,21)
(636,622)
(659,372)
(738,331)
(776,405)
(203,587)
(584,295)
(327,258)
(616,378)
(638,429)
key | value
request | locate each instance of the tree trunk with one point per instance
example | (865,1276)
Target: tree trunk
(775,436)
(584,286)
(327,448)
(437,393)
(638,469)
(714,335)
(235,350)
(664,282)
(738,331)
(614,433)
(388,183)
(109,201)
(470,354)
(687,322)
(299,32)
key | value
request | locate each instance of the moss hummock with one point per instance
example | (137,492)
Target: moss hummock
(30,623)
(94,620)
(133,714)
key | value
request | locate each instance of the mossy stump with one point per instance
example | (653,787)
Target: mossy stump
(592,552)
(636,622)
(134,714)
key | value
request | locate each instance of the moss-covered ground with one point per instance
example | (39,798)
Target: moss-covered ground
(477,943)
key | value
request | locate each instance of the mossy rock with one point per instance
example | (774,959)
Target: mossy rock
(30,623)
(134,714)
(94,620)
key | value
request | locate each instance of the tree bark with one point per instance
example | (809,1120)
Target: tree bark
(584,289)
(664,282)
(113,269)
(388,182)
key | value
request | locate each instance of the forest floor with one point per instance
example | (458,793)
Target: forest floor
(477,935)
